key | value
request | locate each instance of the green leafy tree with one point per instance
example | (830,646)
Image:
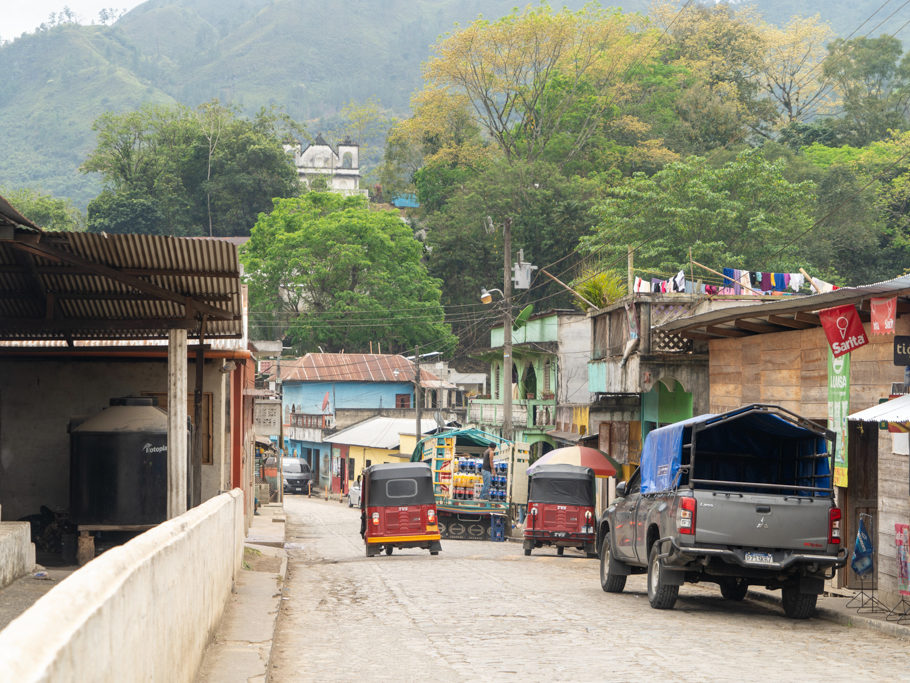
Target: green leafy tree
(874,84)
(745,214)
(47,211)
(328,272)
(124,212)
(208,171)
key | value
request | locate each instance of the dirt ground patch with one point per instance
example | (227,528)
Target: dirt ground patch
(254,560)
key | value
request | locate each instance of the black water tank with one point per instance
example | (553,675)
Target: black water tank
(118,464)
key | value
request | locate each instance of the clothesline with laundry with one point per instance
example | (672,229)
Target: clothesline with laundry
(733,282)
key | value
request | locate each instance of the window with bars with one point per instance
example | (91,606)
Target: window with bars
(402,400)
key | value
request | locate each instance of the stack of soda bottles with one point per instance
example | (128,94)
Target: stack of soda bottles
(467,479)
(500,477)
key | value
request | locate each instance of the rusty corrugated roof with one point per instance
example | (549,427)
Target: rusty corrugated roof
(353,367)
(68,286)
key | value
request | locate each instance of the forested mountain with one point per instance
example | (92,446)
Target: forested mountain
(309,58)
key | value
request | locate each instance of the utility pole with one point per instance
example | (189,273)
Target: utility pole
(507,328)
(417,401)
(279,385)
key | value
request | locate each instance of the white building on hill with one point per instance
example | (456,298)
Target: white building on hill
(339,168)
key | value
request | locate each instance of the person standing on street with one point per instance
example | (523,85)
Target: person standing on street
(486,471)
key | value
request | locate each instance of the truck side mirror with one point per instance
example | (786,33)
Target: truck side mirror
(621,489)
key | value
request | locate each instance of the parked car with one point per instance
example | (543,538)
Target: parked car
(738,499)
(354,494)
(297,475)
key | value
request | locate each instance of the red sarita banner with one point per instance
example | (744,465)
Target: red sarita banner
(843,328)
(883,314)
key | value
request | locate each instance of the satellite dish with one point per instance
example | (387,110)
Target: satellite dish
(522,317)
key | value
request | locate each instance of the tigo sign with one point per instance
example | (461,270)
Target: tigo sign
(843,329)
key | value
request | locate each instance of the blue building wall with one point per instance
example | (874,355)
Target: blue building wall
(308,397)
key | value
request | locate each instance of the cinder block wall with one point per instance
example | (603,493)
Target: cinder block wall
(144,611)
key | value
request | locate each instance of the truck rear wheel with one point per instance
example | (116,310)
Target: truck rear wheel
(798,605)
(610,581)
(661,595)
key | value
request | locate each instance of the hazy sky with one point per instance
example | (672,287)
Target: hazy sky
(22,16)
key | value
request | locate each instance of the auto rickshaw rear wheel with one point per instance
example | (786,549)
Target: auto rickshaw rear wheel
(559,550)
(388,550)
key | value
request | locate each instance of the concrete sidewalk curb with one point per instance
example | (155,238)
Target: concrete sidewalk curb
(241,648)
(848,618)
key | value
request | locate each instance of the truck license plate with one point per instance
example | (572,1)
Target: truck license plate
(559,534)
(760,558)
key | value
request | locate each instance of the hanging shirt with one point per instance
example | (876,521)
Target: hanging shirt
(796,281)
(766,282)
(680,281)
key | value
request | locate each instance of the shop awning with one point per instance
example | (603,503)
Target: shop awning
(895,410)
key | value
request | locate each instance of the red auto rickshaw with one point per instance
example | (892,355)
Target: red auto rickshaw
(561,502)
(398,508)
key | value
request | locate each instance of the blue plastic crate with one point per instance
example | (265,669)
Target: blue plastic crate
(497,528)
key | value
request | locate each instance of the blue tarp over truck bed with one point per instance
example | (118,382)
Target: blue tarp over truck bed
(742,439)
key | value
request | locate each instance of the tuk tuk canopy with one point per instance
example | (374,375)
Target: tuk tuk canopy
(756,443)
(561,485)
(398,484)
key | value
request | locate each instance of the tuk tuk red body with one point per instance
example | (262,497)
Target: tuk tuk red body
(398,508)
(561,502)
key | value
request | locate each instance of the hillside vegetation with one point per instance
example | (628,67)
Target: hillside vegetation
(309,58)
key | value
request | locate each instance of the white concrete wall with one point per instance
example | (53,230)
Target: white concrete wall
(37,400)
(574,337)
(144,611)
(17,552)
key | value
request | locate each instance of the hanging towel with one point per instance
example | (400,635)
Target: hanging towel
(728,277)
(746,280)
(766,283)
(779,284)
(689,288)
(786,280)
(796,281)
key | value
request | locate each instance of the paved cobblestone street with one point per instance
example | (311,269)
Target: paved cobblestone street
(484,611)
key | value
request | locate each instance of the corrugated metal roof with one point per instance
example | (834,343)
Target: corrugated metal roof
(354,367)
(380,432)
(67,286)
(895,410)
(778,316)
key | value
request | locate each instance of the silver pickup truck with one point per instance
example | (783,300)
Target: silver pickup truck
(742,498)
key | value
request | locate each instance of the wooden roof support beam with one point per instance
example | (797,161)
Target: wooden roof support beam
(793,323)
(807,317)
(694,334)
(758,328)
(727,332)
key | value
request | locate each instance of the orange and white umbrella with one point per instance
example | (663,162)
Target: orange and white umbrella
(583,456)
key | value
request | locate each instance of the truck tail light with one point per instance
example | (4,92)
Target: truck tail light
(685,516)
(588,515)
(431,515)
(834,516)
(375,519)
